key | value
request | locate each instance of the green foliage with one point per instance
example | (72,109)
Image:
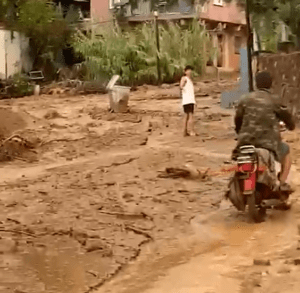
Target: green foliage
(287,11)
(267,27)
(39,20)
(133,54)
(3,9)
(20,86)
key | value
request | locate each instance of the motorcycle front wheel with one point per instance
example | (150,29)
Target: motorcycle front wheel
(256,213)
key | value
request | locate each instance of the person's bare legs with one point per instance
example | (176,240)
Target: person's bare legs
(185,126)
(286,164)
(191,124)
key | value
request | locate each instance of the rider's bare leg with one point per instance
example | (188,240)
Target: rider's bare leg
(286,164)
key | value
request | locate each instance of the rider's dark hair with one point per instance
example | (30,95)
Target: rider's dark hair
(263,80)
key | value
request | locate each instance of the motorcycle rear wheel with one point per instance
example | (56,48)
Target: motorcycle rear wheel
(256,213)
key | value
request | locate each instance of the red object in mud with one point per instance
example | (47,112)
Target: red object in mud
(250,183)
(247,167)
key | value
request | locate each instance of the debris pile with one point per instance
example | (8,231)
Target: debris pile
(74,87)
(187,172)
(15,147)
(12,145)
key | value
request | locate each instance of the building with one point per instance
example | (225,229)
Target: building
(14,53)
(225,21)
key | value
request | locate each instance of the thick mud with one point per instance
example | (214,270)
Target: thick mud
(89,212)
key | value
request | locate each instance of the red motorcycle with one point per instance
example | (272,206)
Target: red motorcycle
(254,182)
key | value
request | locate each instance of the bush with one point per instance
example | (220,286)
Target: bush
(132,55)
(19,86)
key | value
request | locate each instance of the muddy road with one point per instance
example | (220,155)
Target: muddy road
(83,209)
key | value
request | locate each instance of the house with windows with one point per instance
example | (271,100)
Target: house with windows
(225,21)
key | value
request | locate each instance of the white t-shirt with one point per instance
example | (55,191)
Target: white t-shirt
(188,94)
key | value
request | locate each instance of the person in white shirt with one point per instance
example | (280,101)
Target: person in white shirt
(188,100)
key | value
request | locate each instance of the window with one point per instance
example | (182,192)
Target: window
(112,3)
(218,2)
(238,42)
(204,8)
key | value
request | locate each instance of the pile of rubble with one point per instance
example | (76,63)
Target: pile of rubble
(13,144)
(74,87)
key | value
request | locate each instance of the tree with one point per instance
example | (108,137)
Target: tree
(289,13)
(41,21)
(7,11)
(3,9)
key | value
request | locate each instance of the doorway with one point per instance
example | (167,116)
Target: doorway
(220,62)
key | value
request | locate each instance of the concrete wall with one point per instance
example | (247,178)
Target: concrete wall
(284,69)
(100,11)
(14,51)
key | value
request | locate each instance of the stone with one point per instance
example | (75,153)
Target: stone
(99,246)
(284,270)
(261,262)
(296,262)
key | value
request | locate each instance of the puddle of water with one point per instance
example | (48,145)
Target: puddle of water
(218,272)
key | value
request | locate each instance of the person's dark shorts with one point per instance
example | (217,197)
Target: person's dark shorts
(283,151)
(189,108)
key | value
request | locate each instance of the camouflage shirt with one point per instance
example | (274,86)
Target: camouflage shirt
(257,121)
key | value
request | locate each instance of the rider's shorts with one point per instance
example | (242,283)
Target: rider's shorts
(284,150)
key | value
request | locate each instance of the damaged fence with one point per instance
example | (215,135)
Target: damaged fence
(285,72)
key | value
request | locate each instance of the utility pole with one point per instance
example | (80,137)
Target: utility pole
(157,46)
(5,56)
(249,46)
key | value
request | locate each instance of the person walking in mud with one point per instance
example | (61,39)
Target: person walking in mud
(188,101)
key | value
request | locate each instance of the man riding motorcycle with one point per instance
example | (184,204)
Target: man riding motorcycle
(257,123)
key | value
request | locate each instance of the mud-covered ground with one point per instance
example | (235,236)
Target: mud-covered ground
(86,209)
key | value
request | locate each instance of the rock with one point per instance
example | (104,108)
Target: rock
(194,173)
(165,86)
(52,114)
(284,270)
(110,183)
(99,246)
(80,236)
(128,196)
(88,175)
(261,262)
(7,245)
(144,140)
(298,229)
(296,262)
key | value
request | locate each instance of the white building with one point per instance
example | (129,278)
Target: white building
(14,53)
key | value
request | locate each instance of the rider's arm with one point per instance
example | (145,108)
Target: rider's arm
(238,119)
(285,115)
